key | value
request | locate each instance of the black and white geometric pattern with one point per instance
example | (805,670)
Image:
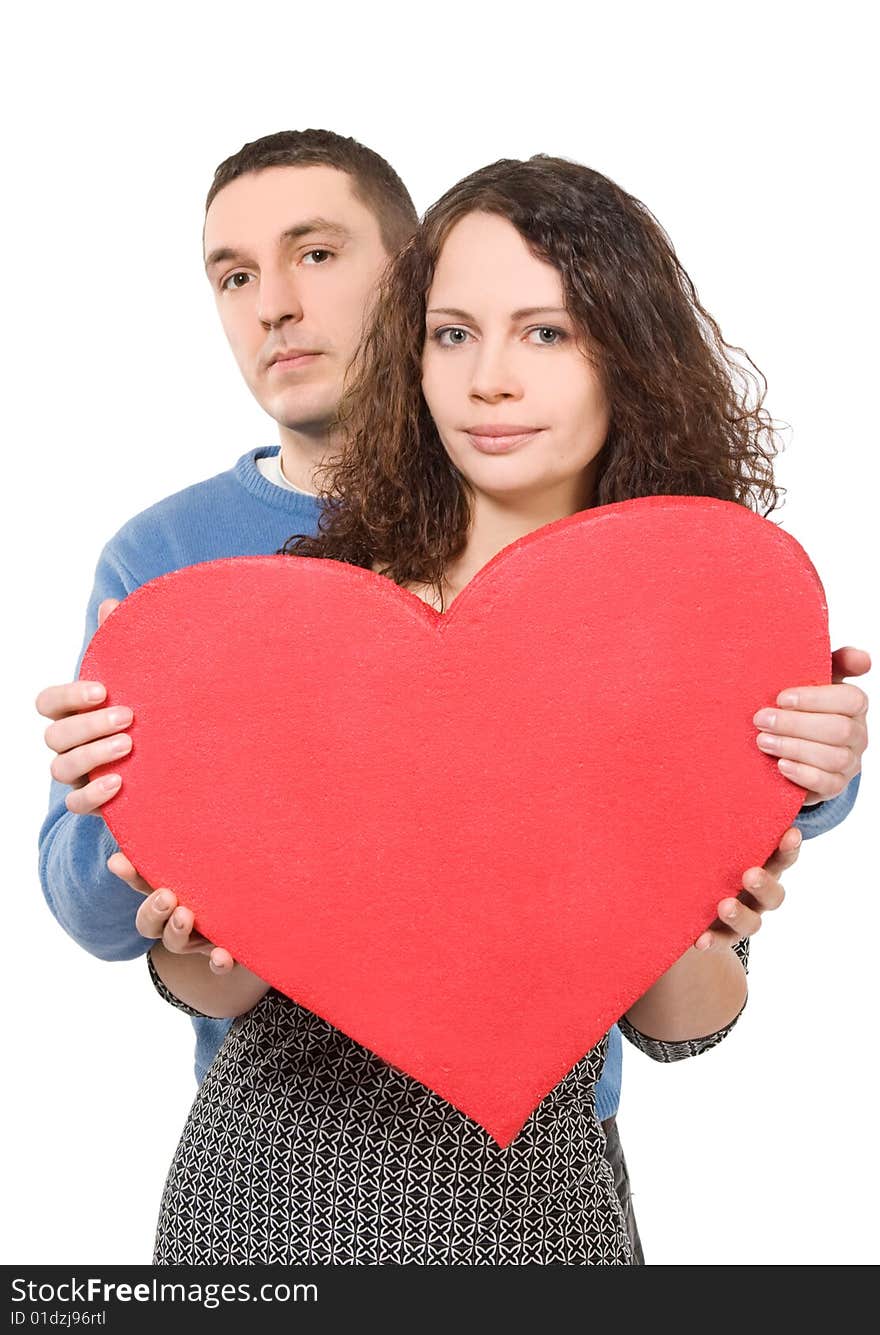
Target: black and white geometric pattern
(304,1148)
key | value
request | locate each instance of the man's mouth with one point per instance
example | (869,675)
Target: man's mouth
(290,359)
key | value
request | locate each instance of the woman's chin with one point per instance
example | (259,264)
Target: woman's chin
(527,494)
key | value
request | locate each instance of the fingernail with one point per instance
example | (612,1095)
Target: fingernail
(730,912)
(787,700)
(119,745)
(765,718)
(788,767)
(767,742)
(161,902)
(110,782)
(119,717)
(94,693)
(179,919)
(755,881)
(703,942)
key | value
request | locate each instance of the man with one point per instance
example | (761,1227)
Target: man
(299,227)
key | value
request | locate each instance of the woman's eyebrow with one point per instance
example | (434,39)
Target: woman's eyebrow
(524,313)
(449,310)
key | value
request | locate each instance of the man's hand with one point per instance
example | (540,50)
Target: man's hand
(84,736)
(761,894)
(820,732)
(160,917)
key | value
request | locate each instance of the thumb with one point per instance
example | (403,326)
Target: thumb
(120,866)
(849,662)
(105,608)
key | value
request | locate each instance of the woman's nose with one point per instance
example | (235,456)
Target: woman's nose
(494,376)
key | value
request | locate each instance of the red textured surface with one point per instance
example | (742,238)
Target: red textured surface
(470,841)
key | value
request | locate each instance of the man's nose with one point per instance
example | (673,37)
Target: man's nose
(279,298)
(494,376)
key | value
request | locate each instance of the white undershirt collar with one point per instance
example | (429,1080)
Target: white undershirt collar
(269,466)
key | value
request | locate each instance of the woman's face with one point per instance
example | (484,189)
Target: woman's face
(519,407)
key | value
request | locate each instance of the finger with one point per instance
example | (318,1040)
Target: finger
(717,937)
(786,854)
(154,913)
(179,936)
(739,917)
(220,961)
(762,891)
(89,799)
(59,701)
(834,759)
(836,699)
(849,662)
(834,729)
(76,764)
(105,608)
(120,866)
(816,782)
(80,729)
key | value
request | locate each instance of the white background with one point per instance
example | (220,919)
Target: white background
(746,131)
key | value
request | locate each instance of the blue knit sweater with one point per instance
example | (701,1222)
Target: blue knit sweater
(236,513)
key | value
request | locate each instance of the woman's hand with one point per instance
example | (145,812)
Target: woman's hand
(819,732)
(161,917)
(762,892)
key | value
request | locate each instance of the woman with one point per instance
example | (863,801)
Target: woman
(537,350)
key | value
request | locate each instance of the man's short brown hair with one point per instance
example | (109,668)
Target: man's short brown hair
(374,182)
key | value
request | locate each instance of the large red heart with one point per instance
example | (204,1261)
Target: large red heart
(468,840)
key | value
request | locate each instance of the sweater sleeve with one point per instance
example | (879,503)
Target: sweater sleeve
(93,906)
(822,817)
(662,1051)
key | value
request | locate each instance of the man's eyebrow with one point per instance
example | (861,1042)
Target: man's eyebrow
(524,313)
(309,225)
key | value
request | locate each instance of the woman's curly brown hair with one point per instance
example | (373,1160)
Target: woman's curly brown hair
(681,422)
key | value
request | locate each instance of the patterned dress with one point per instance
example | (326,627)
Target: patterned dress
(302,1147)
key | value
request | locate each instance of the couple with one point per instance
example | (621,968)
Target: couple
(535,349)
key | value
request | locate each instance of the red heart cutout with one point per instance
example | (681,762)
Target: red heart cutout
(470,841)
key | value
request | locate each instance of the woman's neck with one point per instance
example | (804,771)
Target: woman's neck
(498,522)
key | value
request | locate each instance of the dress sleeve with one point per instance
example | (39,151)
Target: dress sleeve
(167,995)
(662,1051)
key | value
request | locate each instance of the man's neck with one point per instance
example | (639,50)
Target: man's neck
(303,456)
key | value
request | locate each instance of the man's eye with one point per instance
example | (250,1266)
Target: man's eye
(230,285)
(317,256)
(451,337)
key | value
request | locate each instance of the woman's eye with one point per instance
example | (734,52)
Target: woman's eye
(230,285)
(321,254)
(452,337)
(547,336)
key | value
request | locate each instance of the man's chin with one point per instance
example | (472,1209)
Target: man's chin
(302,413)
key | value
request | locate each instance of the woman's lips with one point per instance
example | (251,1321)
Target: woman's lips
(495,443)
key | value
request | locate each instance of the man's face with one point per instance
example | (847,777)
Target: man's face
(294,260)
